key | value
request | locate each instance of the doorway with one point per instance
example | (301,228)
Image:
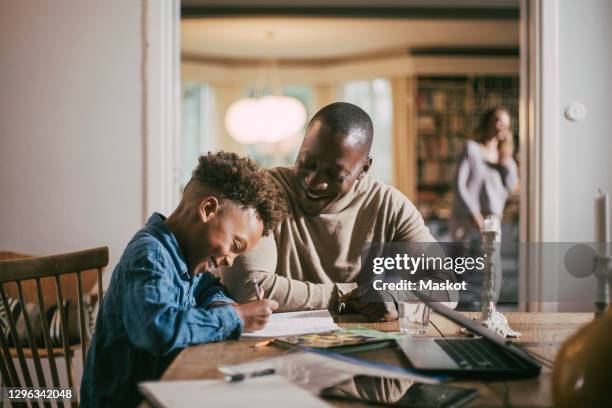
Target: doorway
(424,74)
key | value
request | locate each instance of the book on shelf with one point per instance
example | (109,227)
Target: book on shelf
(439,100)
(441,147)
(431,172)
(426,123)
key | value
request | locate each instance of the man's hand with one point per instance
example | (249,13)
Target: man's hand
(377,311)
(255,314)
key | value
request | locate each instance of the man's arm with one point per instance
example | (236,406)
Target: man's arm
(408,222)
(157,324)
(291,294)
(411,229)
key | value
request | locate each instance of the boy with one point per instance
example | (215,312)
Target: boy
(161,297)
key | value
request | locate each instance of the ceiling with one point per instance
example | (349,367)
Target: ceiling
(334,38)
(353,3)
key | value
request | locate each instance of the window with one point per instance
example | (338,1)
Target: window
(197,131)
(374,96)
(203,125)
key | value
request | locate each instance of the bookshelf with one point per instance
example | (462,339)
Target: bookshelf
(448,109)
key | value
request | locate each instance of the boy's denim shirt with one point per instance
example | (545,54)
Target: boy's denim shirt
(153,308)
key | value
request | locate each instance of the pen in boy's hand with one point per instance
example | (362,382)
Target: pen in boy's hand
(258,291)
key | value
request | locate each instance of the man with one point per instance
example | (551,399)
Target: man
(313,259)
(161,297)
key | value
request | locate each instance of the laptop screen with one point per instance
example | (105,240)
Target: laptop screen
(476,327)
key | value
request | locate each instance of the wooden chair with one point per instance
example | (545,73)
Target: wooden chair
(40,279)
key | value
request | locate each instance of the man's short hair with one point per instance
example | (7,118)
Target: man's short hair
(239,179)
(347,119)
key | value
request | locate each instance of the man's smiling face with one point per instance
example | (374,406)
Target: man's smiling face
(327,166)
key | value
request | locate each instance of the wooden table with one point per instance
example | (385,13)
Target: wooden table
(542,335)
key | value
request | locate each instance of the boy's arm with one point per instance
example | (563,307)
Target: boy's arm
(209,291)
(157,323)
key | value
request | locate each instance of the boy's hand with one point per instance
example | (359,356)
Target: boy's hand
(255,314)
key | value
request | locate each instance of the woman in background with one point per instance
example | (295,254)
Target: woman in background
(486,175)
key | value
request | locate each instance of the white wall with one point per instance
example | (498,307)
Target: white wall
(70,125)
(583,157)
(585,147)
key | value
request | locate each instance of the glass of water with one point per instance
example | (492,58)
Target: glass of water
(413,318)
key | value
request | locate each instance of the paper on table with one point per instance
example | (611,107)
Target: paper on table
(294,323)
(269,391)
(315,370)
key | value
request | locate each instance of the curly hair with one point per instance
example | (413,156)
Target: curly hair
(240,180)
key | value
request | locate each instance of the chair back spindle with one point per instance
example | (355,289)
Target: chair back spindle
(16,341)
(47,337)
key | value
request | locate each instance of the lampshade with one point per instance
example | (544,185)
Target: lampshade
(267,119)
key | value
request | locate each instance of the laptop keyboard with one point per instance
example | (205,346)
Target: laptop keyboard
(478,354)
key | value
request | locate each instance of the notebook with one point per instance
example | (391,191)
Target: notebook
(296,323)
(269,391)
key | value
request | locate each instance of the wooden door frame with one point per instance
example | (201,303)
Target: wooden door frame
(539,131)
(161,98)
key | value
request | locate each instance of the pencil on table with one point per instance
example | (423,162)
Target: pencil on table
(263,343)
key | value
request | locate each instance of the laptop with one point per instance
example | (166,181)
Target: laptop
(489,355)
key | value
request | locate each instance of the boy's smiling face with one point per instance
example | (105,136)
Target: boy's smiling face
(226,207)
(225,231)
